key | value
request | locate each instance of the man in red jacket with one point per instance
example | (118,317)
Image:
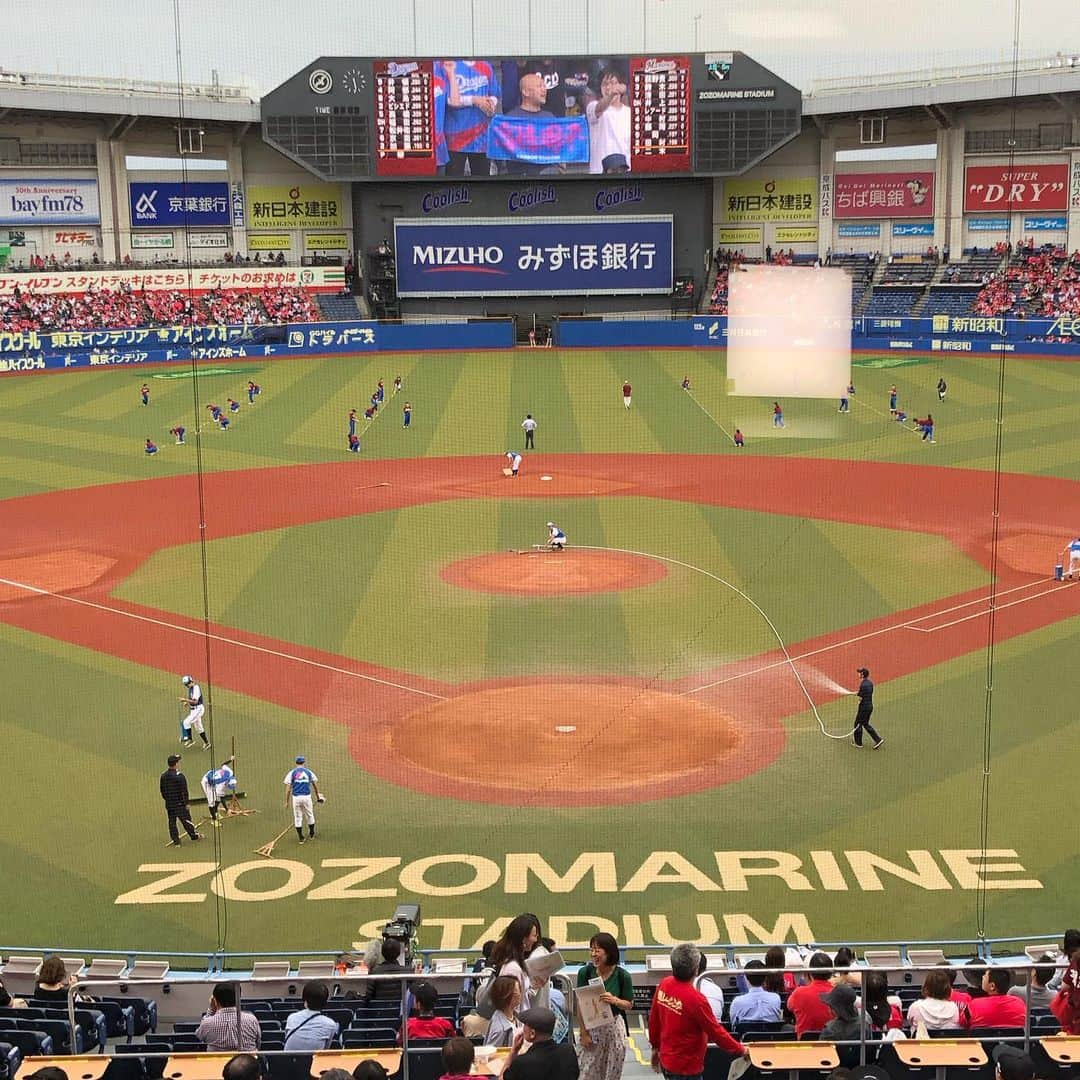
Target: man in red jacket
(805,1003)
(681,1021)
(997,1008)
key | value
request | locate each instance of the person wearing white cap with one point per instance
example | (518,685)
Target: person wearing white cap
(556,537)
(300,782)
(218,784)
(196,709)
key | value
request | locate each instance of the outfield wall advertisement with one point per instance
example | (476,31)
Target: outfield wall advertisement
(534,256)
(30,350)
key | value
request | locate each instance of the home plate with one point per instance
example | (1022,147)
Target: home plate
(566,729)
(545,477)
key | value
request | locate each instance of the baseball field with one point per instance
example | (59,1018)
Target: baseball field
(645,733)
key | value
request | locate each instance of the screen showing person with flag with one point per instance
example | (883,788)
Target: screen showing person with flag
(530,138)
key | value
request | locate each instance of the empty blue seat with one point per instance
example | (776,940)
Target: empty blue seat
(187,1042)
(30,1043)
(144,1012)
(10,1059)
(374,1037)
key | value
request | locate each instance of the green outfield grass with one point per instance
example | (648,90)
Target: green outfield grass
(92,730)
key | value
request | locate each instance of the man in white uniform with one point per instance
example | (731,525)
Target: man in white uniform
(609,126)
(514,461)
(196,709)
(299,785)
(217,785)
(528,425)
(556,537)
(1074,557)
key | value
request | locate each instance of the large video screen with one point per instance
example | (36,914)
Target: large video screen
(532,117)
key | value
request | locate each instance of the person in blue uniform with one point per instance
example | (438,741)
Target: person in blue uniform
(406,414)
(300,783)
(217,785)
(150,447)
(178,434)
(352,421)
(354,443)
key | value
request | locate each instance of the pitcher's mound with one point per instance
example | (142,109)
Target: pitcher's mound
(554,573)
(572,744)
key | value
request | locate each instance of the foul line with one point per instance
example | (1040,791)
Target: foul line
(977,614)
(711,417)
(220,638)
(861,637)
(757,607)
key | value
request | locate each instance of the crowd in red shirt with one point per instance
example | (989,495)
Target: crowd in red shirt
(116,309)
(1043,283)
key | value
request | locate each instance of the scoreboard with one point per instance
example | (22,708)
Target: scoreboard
(404,119)
(682,114)
(661,120)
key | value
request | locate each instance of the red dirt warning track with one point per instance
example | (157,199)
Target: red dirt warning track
(739,705)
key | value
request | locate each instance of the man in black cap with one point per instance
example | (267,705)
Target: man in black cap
(546,1059)
(174,791)
(866,707)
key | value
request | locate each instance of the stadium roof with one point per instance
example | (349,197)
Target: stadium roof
(1056,77)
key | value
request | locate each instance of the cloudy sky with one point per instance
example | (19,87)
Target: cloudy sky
(259,44)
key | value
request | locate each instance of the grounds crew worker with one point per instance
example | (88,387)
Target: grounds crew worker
(299,784)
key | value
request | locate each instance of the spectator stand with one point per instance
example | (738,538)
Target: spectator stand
(900,284)
(118,309)
(372,1027)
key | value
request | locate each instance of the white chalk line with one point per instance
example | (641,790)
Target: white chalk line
(750,600)
(220,638)
(854,640)
(981,614)
(710,416)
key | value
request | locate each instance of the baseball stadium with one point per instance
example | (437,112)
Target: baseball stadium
(629,477)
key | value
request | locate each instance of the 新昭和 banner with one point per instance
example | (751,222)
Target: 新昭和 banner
(534,256)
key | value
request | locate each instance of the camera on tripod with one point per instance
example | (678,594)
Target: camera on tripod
(404,928)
